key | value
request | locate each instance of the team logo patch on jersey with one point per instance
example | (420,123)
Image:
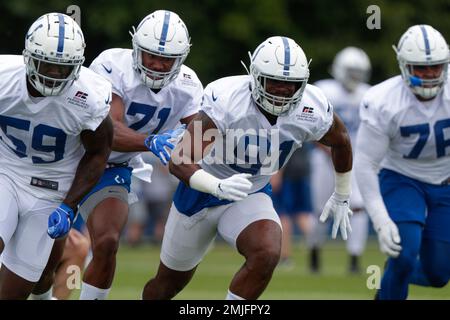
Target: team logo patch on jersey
(307,109)
(79,99)
(81,95)
(187,80)
(306,115)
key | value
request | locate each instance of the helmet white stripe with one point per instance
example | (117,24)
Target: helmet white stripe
(165,28)
(61,35)
(287,56)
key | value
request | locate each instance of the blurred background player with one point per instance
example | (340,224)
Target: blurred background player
(153,91)
(291,196)
(76,252)
(351,70)
(403,164)
(56,136)
(149,214)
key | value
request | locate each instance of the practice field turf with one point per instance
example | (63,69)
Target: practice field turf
(136,265)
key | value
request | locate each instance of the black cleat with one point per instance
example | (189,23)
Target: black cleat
(354,265)
(314,260)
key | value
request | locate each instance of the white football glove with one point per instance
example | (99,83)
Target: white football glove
(389,238)
(234,188)
(338,207)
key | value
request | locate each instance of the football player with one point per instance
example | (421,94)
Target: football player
(405,133)
(56,137)
(351,71)
(153,91)
(255,122)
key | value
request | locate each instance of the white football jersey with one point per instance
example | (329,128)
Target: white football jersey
(263,148)
(40,137)
(146,111)
(419,131)
(345,103)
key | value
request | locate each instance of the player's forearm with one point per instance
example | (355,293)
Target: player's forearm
(182,163)
(196,178)
(187,154)
(342,161)
(183,171)
(89,171)
(367,179)
(127,140)
(341,148)
(370,150)
(341,154)
(184,167)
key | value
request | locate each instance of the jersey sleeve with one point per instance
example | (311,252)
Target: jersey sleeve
(100,105)
(213,105)
(372,115)
(104,65)
(316,117)
(192,105)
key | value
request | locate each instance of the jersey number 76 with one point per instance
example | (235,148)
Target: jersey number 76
(423,130)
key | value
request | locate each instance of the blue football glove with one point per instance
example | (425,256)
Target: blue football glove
(162,144)
(60,221)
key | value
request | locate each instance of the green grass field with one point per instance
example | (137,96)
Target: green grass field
(136,265)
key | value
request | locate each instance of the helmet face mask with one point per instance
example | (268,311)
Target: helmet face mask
(356,76)
(162,35)
(277,104)
(152,78)
(61,75)
(54,53)
(423,56)
(426,88)
(278,62)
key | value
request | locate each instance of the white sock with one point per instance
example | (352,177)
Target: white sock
(89,292)
(232,296)
(43,296)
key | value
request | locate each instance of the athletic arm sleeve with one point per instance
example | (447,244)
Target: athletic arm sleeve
(371,147)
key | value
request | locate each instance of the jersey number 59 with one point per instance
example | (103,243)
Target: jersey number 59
(37,139)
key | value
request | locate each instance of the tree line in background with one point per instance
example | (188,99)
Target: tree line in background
(223,31)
